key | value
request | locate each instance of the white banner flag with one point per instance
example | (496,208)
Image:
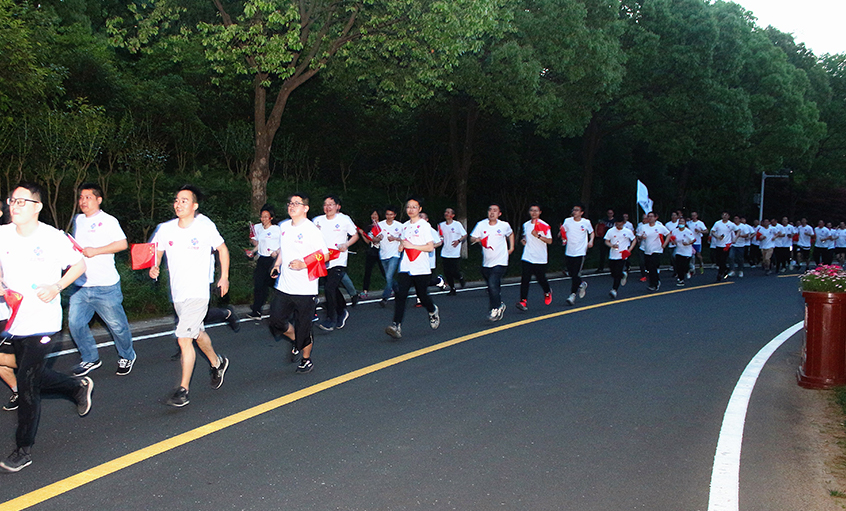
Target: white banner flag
(643,199)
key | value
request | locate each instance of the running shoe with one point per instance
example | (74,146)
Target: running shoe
(254,315)
(625,278)
(492,315)
(441,283)
(232,319)
(582,289)
(522,305)
(217,373)
(500,311)
(83,396)
(395,330)
(13,402)
(16,461)
(83,368)
(612,293)
(383,302)
(571,300)
(327,325)
(354,300)
(124,366)
(305,366)
(547,298)
(435,319)
(178,398)
(343,320)
(643,279)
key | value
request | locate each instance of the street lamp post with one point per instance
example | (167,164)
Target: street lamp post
(764,177)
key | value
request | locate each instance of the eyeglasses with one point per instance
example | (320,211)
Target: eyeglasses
(295,204)
(11,201)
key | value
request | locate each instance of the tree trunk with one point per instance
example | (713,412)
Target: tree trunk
(462,156)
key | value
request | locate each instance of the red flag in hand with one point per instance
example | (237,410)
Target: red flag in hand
(13,300)
(366,235)
(375,230)
(625,254)
(484,243)
(795,237)
(413,254)
(563,232)
(661,237)
(316,265)
(252,232)
(334,253)
(672,239)
(727,247)
(143,255)
(759,236)
(76,246)
(542,227)
(440,231)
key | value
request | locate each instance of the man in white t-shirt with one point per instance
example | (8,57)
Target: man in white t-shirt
(454,235)
(699,228)
(821,235)
(621,241)
(783,245)
(651,236)
(722,233)
(265,239)
(32,257)
(754,244)
(537,236)
(301,244)
(737,252)
(806,234)
(578,238)
(682,239)
(497,241)
(766,239)
(840,243)
(414,268)
(188,242)
(98,289)
(339,233)
(389,245)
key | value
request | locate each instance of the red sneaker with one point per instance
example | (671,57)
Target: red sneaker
(643,279)
(547,298)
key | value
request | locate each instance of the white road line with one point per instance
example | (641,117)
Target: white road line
(725,476)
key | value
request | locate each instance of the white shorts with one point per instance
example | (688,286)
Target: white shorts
(191,314)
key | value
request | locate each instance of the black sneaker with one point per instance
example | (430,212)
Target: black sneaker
(254,315)
(342,320)
(232,319)
(452,292)
(435,319)
(124,366)
(19,459)
(83,368)
(13,402)
(178,398)
(354,300)
(294,353)
(461,282)
(83,396)
(383,302)
(218,372)
(305,366)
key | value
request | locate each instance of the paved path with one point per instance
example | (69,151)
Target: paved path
(603,406)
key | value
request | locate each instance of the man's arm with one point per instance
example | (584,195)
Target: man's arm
(223,255)
(511,243)
(46,293)
(112,248)
(154,270)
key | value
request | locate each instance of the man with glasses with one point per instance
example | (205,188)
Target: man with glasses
(295,290)
(578,238)
(188,242)
(98,290)
(32,258)
(339,233)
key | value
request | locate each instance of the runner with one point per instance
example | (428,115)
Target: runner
(621,241)
(39,279)
(296,285)
(738,246)
(537,235)
(822,234)
(578,239)
(497,241)
(651,236)
(783,245)
(265,239)
(723,234)
(339,233)
(454,235)
(372,258)
(389,244)
(683,238)
(840,243)
(806,234)
(98,289)
(766,236)
(414,269)
(601,228)
(188,242)
(698,227)
(754,245)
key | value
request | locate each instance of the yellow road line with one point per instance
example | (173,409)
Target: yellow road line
(75,481)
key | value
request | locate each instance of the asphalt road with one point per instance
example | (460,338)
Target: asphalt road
(609,405)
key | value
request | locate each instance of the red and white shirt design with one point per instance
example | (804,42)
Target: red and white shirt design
(494,237)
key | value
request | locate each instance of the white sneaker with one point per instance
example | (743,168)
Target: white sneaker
(500,311)
(492,316)
(624,279)
(731,274)
(582,289)
(740,274)
(571,299)
(613,293)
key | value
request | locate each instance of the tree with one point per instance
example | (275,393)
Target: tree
(281,44)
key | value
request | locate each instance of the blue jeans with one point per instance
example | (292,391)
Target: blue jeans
(390,266)
(493,277)
(107,302)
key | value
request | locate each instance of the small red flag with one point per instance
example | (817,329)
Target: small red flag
(759,235)
(661,237)
(440,231)
(375,230)
(252,232)
(625,254)
(316,265)
(334,254)
(542,227)
(563,232)
(672,239)
(13,300)
(143,255)
(413,253)
(76,245)
(727,247)
(484,243)
(795,237)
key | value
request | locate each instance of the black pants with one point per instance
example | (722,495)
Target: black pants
(335,302)
(262,281)
(288,309)
(652,262)
(604,250)
(529,269)
(754,254)
(782,257)
(421,286)
(493,278)
(682,266)
(574,269)
(617,266)
(720,257)
(35,378)
(452,270)
(371,260)
(642,262)
(823,255)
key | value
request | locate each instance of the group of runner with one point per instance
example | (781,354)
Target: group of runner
(38,262)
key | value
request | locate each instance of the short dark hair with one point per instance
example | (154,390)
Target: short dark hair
(94,187)
(416,199)
(303,197)
(198,195)
(497,204)
(391,208)
(535,205)
(35,189)
(270,209)
(580,206)
(335,198)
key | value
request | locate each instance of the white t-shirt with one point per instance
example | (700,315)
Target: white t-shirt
(268,239)
(767,237)
(840,238)
(98,230)
(622,238)
(697,227)
(683,237)
(670,227)
(653,244)
(189,256)
(451,232)
(497,235)
(723,232)
(389,249)
(535,250)
(743,235)
(786,240)
(418,233)
(436,238)
(32,261)
(805,233)
(821,233)
(753,240)
(578,234)
(336,232)
(295,243)
(629,226)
